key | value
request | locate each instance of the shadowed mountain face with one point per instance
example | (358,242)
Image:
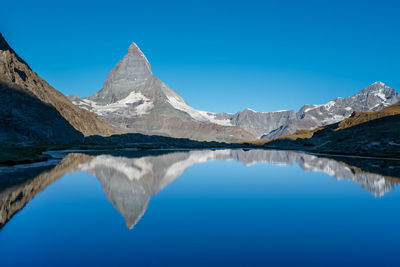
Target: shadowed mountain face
(26,119)
(129,182)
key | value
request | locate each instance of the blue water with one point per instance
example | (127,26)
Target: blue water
(219,211)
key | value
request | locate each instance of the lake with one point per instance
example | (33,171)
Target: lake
(200,207)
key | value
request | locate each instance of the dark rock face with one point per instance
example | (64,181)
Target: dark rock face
(135,101)
(26,119)
(17,79)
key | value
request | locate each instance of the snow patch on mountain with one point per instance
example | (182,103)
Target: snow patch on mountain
(144,104)
(198,115)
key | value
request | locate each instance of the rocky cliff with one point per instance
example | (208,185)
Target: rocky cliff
(16,75)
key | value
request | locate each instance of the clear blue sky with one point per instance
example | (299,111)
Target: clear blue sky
(219,55)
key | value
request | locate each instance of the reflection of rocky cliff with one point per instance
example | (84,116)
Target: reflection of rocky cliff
(14,196)
(129,183)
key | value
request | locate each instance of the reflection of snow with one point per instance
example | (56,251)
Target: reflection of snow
(133,169)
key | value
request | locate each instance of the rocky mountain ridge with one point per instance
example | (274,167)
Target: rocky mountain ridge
(270,125)
(17,78)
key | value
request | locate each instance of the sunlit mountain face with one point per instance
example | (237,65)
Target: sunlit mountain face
(130,179)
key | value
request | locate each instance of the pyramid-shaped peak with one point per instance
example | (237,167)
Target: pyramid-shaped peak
(378,83)
(135,50)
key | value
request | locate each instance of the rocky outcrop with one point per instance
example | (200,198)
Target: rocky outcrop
(15,74)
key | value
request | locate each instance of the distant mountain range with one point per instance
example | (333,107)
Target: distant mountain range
(270,125)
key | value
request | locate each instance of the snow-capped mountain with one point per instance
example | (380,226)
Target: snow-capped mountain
(275,124)
(134,100)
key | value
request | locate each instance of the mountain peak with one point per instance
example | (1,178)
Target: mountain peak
(135,50)
(376,86)
(4,46)
(379,83)
(136,57)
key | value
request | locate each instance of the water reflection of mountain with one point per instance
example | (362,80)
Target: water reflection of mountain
(129,181)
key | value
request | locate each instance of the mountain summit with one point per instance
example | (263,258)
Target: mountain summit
(133,100)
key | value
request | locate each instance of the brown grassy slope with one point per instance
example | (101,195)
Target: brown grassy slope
(14,71)
(362,117)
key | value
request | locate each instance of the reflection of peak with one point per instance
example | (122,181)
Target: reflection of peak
(129,183)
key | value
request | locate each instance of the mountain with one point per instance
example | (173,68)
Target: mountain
(259,123)
(135,101)
(34,111)
(367,133)
(270,125)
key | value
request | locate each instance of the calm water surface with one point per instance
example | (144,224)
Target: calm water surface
(222,207)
